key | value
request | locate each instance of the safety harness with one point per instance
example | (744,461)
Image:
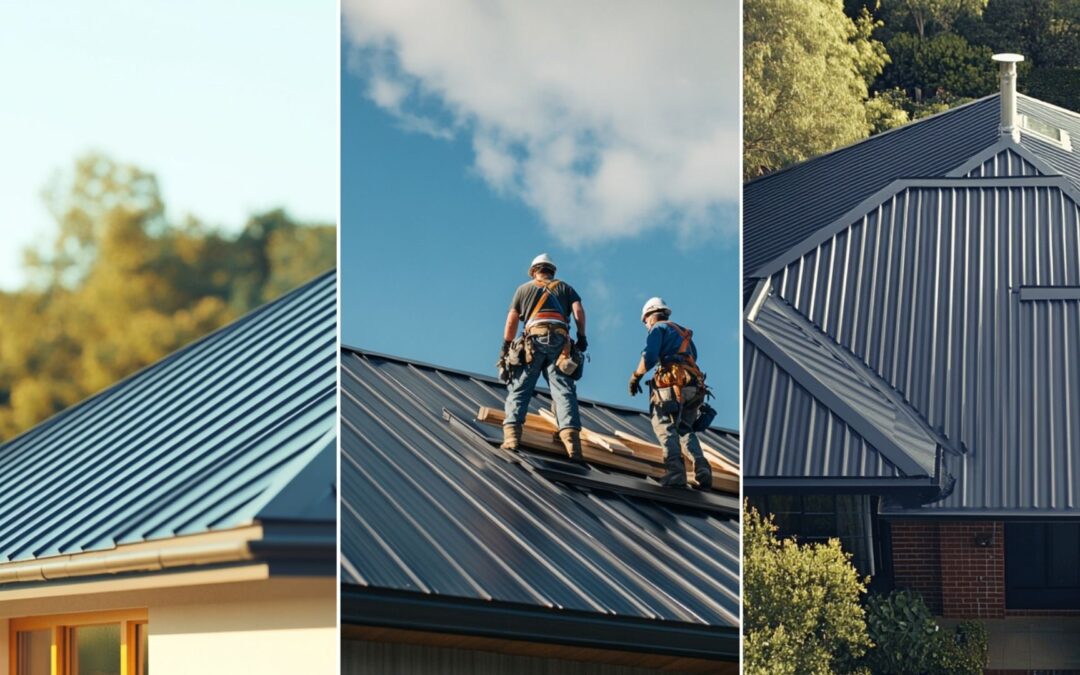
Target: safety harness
(681,370)
(539,314)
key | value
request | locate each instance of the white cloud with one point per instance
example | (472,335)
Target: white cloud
(608,117)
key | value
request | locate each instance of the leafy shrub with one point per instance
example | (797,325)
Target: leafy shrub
(801,611)
(908,640)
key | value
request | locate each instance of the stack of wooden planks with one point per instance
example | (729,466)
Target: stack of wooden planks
(621,451)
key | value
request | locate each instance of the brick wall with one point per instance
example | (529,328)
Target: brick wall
(972,576)
(957,578)
(917,559)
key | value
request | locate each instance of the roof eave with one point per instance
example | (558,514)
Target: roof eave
(368,606)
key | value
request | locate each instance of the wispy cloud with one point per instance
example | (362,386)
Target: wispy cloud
(608,118)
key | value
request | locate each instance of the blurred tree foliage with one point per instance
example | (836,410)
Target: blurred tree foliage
(806,71)
(119,287)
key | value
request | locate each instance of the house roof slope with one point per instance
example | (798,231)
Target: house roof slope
(786,207)
(212,437)
(961,295)
(819,413)
(432,509)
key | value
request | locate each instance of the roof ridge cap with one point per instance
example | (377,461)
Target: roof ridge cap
(871,137)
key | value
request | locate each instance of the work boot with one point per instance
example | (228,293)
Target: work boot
(703,474)
(511,437)
(571,439)
(676,473)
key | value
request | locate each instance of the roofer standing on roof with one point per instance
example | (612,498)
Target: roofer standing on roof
(544,348)
(677,393)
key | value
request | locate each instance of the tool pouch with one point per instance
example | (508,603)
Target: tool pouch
(706,415)
(517,355)
(665,400)
(571,361)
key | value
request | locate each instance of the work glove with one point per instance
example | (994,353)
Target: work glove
(582,343)
(635,384)
(505,348)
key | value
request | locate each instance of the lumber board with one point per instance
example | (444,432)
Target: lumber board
(609,443)
(539,433)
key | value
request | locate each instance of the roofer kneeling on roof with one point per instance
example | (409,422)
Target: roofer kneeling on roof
(544,348)
(677,393)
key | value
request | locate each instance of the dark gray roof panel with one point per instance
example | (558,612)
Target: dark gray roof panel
(203,440)
(790,434)
(783,208)
(1060,160)
(1007,162)
(924,289)
(845,386)
(431,506)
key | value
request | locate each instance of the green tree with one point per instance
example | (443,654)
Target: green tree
(940,14)
(801,611)
(806,69)
(119,287)
(944,66)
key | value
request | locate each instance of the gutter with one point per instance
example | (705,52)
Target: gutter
(290,549)
(391,608)
(118,561)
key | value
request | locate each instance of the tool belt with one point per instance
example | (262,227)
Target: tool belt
(678,382)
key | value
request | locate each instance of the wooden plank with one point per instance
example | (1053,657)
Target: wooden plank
(609,443)
(539,433)
(728,466)
(654,453)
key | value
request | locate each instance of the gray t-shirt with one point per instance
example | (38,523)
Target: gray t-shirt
(557,307)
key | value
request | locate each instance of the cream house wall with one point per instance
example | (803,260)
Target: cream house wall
(212,625)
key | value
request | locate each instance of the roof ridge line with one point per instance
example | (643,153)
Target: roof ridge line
(1072,113)
(895,187)
(853,144)
(168,358)
(1003,144)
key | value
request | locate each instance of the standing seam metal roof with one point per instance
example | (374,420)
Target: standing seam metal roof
(833,394)
(431,507)
(924,288)
(203,440)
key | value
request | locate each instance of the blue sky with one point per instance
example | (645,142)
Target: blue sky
(232,104)
(432,246)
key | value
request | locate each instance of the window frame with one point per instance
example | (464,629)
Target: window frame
(60,627)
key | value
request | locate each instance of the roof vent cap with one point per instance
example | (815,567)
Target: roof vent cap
(1008,125)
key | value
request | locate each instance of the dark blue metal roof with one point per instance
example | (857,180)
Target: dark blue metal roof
(220,434)
(960,295)
(818,411)
(432,509)
(784,208)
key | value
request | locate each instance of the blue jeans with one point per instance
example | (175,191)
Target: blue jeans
(545,351)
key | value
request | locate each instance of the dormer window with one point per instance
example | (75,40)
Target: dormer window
(1046,131)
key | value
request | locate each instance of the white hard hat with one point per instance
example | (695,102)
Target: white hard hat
(654,305)
(542,259)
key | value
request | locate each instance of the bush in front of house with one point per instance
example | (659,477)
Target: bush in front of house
(908,640)
(801,609)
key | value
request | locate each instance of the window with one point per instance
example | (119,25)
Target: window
(1047,131)
(96,643)
(818,518)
